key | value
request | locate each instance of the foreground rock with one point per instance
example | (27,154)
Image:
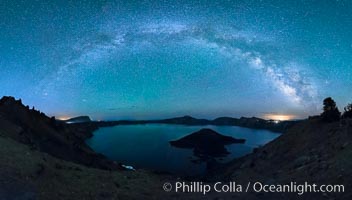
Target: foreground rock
(311,151)
(29,126)
(206,142)
(28,174)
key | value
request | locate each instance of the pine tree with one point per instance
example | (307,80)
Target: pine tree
(348,111)
(331,112)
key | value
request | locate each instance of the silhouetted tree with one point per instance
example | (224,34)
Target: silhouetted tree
(348,111)
(331,112)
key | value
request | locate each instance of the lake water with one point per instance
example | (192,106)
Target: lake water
(147,146)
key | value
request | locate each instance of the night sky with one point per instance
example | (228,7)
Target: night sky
(157,59)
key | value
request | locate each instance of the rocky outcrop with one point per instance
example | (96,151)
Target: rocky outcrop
(34,128)
(80,119)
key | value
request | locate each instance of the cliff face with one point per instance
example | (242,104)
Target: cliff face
(34,128)
(311,151)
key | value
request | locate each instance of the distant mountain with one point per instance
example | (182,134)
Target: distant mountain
(225,121)
(57,138)
(253,122)
(186,120)
(80,119)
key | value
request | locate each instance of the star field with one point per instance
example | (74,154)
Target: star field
(156,59)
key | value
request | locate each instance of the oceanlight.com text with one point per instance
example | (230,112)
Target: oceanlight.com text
(233,187)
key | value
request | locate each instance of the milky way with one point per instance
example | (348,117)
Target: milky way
(123,60)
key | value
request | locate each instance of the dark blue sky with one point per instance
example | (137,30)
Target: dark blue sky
(155,59)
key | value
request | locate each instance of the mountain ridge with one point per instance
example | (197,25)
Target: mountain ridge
(246,122)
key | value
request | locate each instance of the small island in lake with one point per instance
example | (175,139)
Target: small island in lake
(206,142)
